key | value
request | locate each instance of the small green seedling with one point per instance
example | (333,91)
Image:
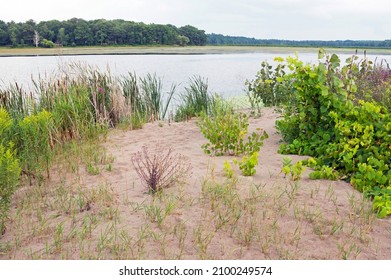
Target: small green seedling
(228,171)
(248,163)
(294,170)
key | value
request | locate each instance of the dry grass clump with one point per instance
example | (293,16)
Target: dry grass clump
(160,169)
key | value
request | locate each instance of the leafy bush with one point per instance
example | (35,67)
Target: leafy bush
(248,163)
(35,140)
(226,132)
(47,44)
(9,178)
(324,172)
(382,204)
(334,117)
(269,88)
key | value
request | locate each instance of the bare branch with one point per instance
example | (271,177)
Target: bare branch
(160,169)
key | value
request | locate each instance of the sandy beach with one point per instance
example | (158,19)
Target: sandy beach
(110,215)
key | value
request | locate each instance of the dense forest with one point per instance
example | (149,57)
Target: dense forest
(101,32)
(79,32)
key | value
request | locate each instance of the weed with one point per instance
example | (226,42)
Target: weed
(160,169)
(229,173)
(295,170)
(202,239)
(92,170)
(248,163)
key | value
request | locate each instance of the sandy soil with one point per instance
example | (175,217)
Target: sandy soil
(278,218)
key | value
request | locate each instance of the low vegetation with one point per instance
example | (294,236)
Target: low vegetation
(81,106)
(338,114)
(161,168)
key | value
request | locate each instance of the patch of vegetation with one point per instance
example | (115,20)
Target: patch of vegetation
(294,170)
(195,99)
(227,131)
(269,88)
(335,117)
(248,163)
(9,167)
(161,168)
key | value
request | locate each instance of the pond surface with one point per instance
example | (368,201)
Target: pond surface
(226,73)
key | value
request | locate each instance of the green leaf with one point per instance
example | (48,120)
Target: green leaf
(321,54)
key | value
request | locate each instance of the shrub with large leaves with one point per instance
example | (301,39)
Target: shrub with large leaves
(333,118)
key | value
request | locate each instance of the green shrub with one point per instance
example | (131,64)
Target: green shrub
(269,88)
(382,203)
(47,44)
(248,163)
(337,120)
(294,170)
(35,150)
(324,172)
(9,178)
(227,131)
(228,171)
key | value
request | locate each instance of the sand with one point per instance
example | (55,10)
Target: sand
(280,218)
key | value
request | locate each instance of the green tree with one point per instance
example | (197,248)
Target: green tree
(27,32)
(183,40)
(47,44)
(14,33)
(61,37)
(197,37)
(4,34)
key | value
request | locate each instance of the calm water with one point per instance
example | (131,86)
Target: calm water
(226,73)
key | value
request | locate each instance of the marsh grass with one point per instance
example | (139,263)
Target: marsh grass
(16,101)
(195,99)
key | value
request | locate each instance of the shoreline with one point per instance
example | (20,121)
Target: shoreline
(174,50)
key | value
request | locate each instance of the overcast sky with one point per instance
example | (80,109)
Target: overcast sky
(280,19)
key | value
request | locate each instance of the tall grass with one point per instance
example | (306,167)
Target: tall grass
(195,99)
(16,101)
(77,104)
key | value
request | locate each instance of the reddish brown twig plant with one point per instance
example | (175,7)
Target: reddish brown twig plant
(160,169)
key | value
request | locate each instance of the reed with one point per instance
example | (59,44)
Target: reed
(195,99)
(156,103)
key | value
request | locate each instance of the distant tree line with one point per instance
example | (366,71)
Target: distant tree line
(79,32)
(218,39)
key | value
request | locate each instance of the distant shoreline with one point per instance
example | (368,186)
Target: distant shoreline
(174,50)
